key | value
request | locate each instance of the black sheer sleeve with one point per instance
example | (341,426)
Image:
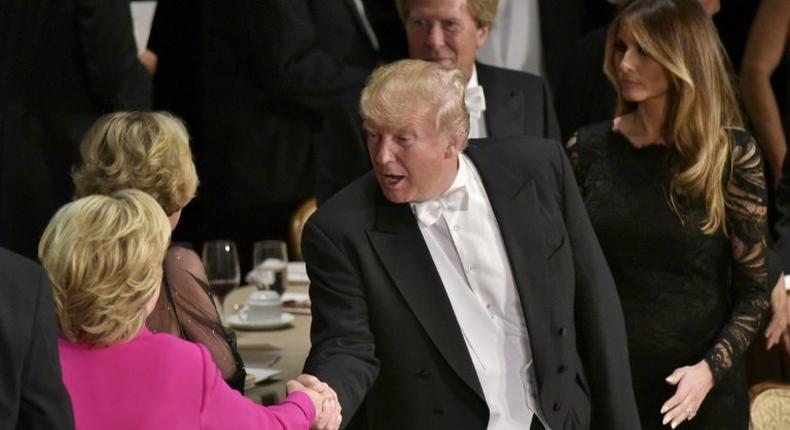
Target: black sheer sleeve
(747,228)
(186,309)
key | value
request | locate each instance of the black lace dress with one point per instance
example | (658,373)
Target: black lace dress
(686,296)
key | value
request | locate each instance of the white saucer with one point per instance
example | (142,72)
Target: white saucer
(285,320)
(258,374)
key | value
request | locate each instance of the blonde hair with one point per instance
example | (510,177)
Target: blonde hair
(148,151)
(482,11)
(407,89)
(702,103)
(104,257)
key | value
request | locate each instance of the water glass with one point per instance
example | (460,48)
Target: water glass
(270,257)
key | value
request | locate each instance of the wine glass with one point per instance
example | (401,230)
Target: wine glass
(270,257)
(222,267)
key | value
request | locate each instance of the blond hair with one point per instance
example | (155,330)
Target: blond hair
(148,151)
(702,103)
(482,11)
(104,257)
(408,89)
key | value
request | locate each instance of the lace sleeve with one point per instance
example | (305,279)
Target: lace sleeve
(194,308)
(747,228)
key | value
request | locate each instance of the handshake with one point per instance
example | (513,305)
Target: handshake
(327,407)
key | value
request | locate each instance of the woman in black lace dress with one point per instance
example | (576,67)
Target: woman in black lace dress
(149,151)
(675,190)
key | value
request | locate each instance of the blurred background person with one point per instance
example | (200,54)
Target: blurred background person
(675,190)
(766,50)
(764,85)
(273,71)
(534,35)
(149,151)
(104,257)
(32,395)
(63,64)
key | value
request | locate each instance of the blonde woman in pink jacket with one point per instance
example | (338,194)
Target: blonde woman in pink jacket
(104,257)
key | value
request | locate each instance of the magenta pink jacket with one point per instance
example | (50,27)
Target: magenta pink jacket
(158,381)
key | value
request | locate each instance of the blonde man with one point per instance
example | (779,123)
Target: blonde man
(104,257)
(462,290)
(501,103)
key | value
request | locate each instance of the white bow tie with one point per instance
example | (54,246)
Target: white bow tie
(475,101)
(430,211)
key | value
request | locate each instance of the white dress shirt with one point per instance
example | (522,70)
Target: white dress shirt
(466,245)
(475,100)
(514,41)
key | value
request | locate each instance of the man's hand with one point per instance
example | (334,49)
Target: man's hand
(149,60)
(328,410)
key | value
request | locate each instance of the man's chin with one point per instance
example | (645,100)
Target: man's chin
(395,196)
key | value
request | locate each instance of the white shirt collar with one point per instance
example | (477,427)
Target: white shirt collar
(429,211)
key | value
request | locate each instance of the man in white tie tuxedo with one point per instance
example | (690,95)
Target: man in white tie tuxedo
(501,102)
(457,289)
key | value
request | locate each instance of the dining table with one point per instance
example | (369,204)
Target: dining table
(282,349)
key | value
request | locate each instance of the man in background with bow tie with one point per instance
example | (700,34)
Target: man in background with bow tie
(461,290)
(501,102)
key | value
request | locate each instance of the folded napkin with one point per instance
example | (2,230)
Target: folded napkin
(263,273)
(297,273)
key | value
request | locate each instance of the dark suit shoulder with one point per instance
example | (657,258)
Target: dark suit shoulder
(531,154)
(351,206)
(485,73)
(19,275)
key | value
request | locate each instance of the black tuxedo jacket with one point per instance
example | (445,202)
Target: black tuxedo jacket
(32,395)
(62,64)
(384,334)
(518,104)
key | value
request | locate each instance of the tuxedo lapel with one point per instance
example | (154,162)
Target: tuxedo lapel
(504,105)
(517,210)
(399,244)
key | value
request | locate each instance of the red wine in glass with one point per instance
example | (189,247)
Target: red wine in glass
(222,267)
(221,287)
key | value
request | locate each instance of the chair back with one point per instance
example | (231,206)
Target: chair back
(769,406)
(298,220)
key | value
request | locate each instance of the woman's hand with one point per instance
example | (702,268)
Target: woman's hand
(694,383)
(324,398)
(779,311)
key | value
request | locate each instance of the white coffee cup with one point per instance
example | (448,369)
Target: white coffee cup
(262,306)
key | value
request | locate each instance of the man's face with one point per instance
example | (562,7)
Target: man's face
(443,31)
(413,162)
